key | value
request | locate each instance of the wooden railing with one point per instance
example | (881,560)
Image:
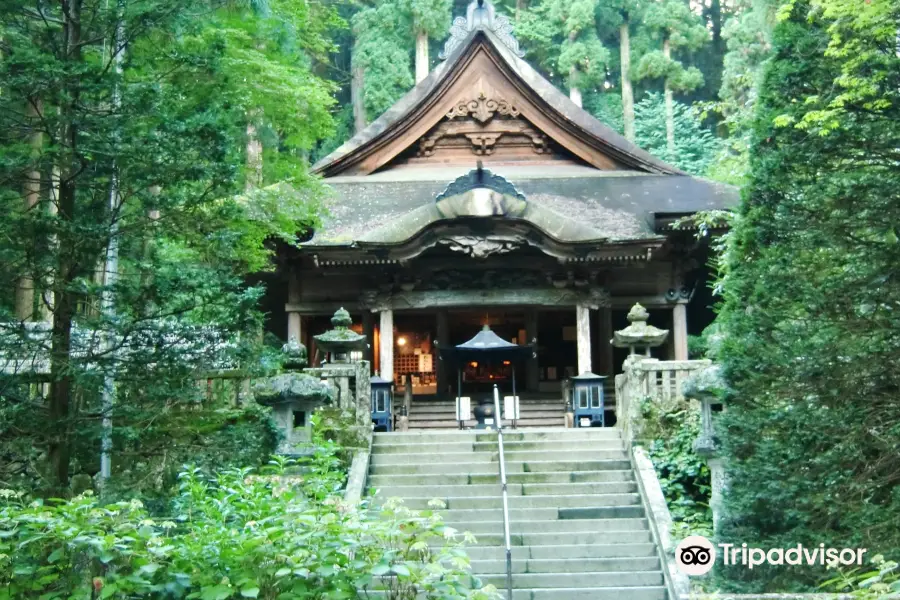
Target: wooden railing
(652,379)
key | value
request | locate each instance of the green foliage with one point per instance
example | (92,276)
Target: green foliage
(385,35)
(607,108)
(683,475)
(674,23)
(695,145)
(562,37)
(235,534)
(810,314)
(168,134)
(748,40)
(383,50)
(883,580)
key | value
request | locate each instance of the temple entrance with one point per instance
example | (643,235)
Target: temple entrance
(418,335)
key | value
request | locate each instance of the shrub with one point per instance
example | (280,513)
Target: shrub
(235,534)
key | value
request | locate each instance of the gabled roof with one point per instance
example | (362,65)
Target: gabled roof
(580,184)
(483,58)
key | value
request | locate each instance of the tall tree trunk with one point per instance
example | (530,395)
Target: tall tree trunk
(45,306)
(358,98)
(574,92)
(627,91)
(521,6)
(111,270)
(670,104)
(254,154)
(62,381)
(31,192)
(421,56)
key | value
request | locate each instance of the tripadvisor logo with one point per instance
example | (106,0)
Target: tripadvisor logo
(695,555)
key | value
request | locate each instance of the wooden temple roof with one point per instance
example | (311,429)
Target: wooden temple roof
(582,182)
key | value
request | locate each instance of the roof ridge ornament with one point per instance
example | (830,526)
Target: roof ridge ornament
(480,177)
(481,15)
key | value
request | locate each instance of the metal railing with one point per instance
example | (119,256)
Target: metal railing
(498,420)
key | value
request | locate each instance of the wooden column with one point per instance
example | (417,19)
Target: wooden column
(532,378)
(583,337)
(386,344)
(443,338)
(294,324)
(604,337)
(679,331)
(368,323)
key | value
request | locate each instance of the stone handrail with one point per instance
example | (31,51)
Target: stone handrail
(661,381)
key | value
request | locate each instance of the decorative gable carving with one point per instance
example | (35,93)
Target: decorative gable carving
(482,108)
(480,125)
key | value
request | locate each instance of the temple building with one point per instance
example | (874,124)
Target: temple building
(486,196)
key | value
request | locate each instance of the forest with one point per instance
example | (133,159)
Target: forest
(154,152)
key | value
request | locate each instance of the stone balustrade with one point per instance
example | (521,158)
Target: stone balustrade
(659,381)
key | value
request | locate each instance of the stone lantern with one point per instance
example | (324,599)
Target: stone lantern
(338,342)
(707,386)
(293,396)
(587,400)
(639,334)
(382,401)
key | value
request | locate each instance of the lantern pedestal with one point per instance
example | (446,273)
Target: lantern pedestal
(587,400)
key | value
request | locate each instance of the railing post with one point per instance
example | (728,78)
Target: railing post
(499,422)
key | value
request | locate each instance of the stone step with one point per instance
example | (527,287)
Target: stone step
(552,433)
(568,565)
(591,593)
(493,477)
(542,445)
(595,579)
(605,593)
(512,457)
(514,489)
(579,538)
(508,445)
(602,526)
(613,550)
(512,467)
(522,516)
(450,409)
(526,421)
(615,505)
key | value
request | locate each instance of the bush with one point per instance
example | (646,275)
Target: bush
(235,534)
(683,475)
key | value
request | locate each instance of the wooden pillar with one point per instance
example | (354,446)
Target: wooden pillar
(443,338)
(583,337)
(368,323)
(532,376)
(294,331)
(604,337)
(679,331)
(386,344)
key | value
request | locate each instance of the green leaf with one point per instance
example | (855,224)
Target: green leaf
(250,592)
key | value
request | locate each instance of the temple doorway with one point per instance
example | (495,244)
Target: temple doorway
(418,334)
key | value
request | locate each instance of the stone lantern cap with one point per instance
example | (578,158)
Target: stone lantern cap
(295,355)
(340,339)
(587,376)
(705,384)
(376,380)
(639,333)
(292,387)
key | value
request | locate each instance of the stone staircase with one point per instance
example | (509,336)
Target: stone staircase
(441,414)
(577,524)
